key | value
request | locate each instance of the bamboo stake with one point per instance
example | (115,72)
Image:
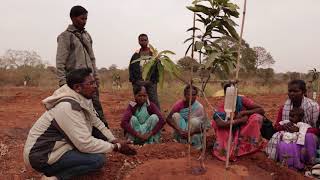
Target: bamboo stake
(240,40)
(318,89)
(237,76)
(189,119)
(190,92)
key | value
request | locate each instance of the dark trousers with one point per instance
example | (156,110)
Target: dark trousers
(97,106)
(75,163)
(152,92)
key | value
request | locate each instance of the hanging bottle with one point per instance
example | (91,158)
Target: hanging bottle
(230,101)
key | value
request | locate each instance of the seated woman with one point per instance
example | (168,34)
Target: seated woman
(142,120)
(295,154)
(246,129)
(178,118)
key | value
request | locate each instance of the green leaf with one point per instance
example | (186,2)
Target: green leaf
(193,28)
(160,74)
(197,1)
(170,67)
(231,13)
(210,59)
(153,50)
(190,45)
(232,7)
(198,45)
(188,39)
(166,52)
(142,58)
(199,8)
(231,30)
(147,68)
(229,21)
(202,19)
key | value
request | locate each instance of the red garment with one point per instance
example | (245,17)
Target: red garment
(246,139)
(278,127)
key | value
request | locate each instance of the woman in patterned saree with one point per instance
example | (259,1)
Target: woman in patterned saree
(178,118)
(246,136)
(142,120)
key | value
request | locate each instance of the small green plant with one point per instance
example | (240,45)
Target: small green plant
(215,16)
(161,61)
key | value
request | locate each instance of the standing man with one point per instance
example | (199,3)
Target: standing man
(75,51)
(135,71)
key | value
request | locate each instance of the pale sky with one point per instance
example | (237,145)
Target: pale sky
(288,29)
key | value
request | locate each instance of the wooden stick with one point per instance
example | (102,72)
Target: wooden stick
(193,36)
(318,89)
(240,40)
(237,76)
(190,92)
(189,119)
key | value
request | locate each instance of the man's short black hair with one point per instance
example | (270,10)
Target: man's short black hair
(77,11)
(300,83)
(77,76)
(141,35)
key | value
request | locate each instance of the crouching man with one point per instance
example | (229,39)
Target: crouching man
(60,143)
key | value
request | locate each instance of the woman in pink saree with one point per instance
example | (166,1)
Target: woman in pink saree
(246,136)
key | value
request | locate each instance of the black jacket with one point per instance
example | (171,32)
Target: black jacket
(135,71)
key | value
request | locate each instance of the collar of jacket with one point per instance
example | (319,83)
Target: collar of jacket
(64,92)
(72,28)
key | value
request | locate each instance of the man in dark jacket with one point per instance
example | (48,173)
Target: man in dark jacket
(75,51)
(135,71)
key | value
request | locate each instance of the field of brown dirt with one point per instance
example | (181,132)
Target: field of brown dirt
(20,107)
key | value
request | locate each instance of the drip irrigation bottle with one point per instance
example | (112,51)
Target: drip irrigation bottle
(230,101)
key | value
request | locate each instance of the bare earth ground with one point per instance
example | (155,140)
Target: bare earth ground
(20,107)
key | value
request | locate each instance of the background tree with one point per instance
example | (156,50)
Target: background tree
(267,75)
(248,55)
(294,75)
(19,66)
(187,62)
(113,67)
(264,58)
(17,58)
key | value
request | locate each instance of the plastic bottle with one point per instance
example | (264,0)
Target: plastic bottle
(230,101)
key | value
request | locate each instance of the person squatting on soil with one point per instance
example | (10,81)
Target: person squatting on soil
(142,121)
(75,51)
(295,154)
(60,144)
(135,71)
(246,129)
(178,118)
